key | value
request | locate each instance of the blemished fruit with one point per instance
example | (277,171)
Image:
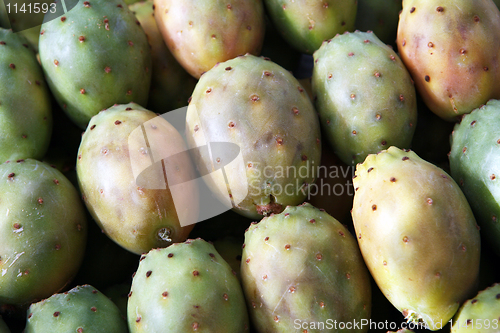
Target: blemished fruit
(474,163)
(258,107)
(364,95)
(187,280)
(417,234)
(81,309)
(95,56)
(293,281)
(234,28)
(43,231)
(25,105)
(480,314)
(451,48)
(138,214)
(306,24)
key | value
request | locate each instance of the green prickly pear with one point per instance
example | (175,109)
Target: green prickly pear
(474,163)
(25,105)
(417,234)
(198,43)
(94,56)
(81,309)
(451,49)
(171,85)
(301,268)
(190,281)
(480,314)
(260,107)
(365,96)
(136,216)
(306,24)
(43,231)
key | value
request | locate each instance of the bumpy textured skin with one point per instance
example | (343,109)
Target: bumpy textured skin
(379,16)
(475,166)
(365,96)
(25,106)
(43,231)
(417,235)
(81,309)
(135,217)
(261,107)
(451,49)
(233,28)
(187,287)
(306,24)
(480,314)
(289,278)
(95,56)
(171,85)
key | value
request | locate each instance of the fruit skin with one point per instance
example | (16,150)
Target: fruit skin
(81,309)
(365,96)
(303,266)
(187,280)
(381,17)
(171,85)
(306,24)
(451,49)
(95,56)
(474,164)
(197,43)
(231,103)
(136,213)
(25,105)
(481,313)
(43,231)
(417,235)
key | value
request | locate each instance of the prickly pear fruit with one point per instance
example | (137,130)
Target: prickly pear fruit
(480,314)
(260,107)
(303,267)
(474,163)
(417,235)
(136,216)
(81,309)
(43,231)
(199,43)
(94,56)
(306,24)
(365,96)
(379,16)
(187,280)
(171,85)
(451,49)
(25,106)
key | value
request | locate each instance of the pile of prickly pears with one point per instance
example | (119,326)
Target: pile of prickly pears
(261,166)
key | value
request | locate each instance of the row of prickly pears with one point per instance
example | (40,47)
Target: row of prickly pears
(351,229)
